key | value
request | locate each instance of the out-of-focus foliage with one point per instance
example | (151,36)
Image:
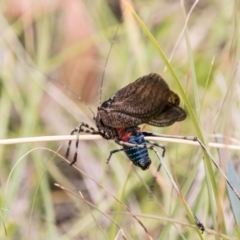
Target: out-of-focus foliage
(69,41)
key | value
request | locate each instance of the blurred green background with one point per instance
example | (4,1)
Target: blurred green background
(69,41)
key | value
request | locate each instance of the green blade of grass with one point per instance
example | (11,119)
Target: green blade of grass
(208,167)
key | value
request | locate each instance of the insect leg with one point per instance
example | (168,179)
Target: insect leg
(151,146)
(197,222)
(195,139)
(77,130)
(127,144)
(70,142)
(157,145)
(112,152)
(160,164)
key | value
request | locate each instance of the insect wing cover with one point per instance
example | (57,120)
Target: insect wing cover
(147,100)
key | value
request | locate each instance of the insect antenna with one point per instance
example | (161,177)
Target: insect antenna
(106,61)
(66,87)
(83,127)
(78,97)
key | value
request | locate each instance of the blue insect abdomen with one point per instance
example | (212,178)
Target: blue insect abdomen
(139,156)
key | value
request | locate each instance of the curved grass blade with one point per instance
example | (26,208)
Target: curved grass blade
(207,162)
